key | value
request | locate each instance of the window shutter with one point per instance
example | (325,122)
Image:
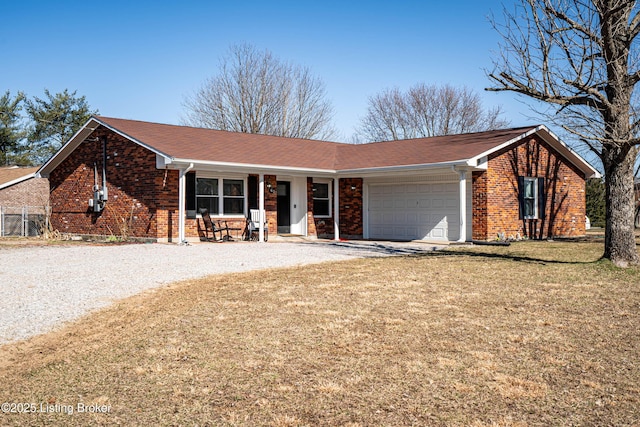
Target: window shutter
(542,199)
(190,195)
(252,191)
(521,197)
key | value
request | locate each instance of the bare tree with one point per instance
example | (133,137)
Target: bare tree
(580,57)
(427,110)
(256,92)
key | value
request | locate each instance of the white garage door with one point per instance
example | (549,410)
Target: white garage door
(416,211)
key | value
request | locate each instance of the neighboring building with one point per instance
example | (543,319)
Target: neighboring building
(510,182)
(23,201)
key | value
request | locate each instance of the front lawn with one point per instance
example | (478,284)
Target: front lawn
(535,334)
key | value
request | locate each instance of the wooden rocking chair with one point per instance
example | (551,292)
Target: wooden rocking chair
(211,228)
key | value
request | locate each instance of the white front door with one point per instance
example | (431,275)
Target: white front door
(297,200)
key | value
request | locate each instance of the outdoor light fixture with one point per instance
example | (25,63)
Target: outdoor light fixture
(353,188)
(270,187)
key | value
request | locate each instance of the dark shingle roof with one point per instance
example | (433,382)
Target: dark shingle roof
(182,142)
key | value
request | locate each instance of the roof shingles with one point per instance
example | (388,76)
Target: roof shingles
(8,174)
(207,145)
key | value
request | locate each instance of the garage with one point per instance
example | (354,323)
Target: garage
(414,211)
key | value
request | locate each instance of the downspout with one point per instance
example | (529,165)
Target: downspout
(182,185)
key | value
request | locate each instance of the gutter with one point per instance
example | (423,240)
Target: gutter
(19,180)
(254,168)
(406,168)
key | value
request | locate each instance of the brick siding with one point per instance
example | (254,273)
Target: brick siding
(495,194)
(479,206)
(139,196)
(143,201)
(351,207)
(31,192)
(351,211)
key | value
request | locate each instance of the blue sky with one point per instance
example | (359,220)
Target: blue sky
(138,59)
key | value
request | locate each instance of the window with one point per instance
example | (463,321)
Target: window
(321,199)
(233,196)
(209,190)
(207,195)
(531,197)
(530,193)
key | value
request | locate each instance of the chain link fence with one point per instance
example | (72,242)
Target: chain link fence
(23,221)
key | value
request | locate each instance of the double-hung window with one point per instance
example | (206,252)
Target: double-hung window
(321,199)
(220,196)
(233,196)
(207,195)
(532,202)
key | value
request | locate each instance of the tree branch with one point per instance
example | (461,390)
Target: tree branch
(574,25)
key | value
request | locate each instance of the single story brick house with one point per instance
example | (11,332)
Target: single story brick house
(20,187)
(118,176)
(23,201)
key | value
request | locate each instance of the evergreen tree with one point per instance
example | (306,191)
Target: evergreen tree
(10,130)
(53,122)
(596,202)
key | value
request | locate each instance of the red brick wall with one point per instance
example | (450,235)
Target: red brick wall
(318,227)
(351,210)
(351,206)
(166,187)
(139,196)
(497,210)
(479,205)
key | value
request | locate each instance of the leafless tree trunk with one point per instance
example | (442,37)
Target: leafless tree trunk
(427,110)
(581,56)
(257,93)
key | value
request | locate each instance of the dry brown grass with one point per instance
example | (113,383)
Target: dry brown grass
(535,334)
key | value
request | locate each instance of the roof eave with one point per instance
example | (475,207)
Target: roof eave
(17,180)
(566,151)
(179,163)
(83,133)
(405,168)
(569,153)
(67,148)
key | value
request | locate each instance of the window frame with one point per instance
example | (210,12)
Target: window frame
(221,195)
(329,197)
(534,197)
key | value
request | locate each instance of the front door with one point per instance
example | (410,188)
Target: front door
(284,207)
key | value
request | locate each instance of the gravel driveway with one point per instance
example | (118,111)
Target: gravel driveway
(42,287)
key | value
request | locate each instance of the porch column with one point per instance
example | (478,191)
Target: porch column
(182,187)
(261,208)
(336,209)
(463,206)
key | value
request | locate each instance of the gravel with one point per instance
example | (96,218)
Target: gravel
(41,287)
